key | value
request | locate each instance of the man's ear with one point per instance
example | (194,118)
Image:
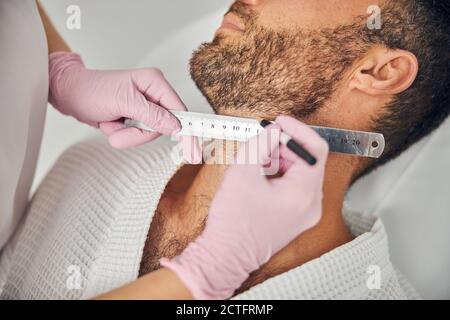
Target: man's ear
(385,72)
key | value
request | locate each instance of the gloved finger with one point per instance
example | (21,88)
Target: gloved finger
(255,154)
(246,168)
(268,141)
(152,83)
(305,136)
(168,98)
(269,151)
(93,124)
(285,164)
(109,128)
(191,148)
(155,87)
(131,137)
(258,150)
(309,139)
(156,117)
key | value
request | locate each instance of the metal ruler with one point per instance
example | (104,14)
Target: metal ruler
(211,126)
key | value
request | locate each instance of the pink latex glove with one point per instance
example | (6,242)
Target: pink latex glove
(253,217)
(102,98)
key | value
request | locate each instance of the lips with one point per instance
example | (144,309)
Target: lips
(233,23)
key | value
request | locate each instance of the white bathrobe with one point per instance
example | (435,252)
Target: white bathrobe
(86,229)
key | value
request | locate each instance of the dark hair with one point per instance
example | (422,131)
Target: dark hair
(423,28)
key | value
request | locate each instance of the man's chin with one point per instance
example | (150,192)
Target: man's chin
(226,34)
(224,38)
(258,76)
(231,112)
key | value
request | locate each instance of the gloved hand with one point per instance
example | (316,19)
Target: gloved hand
(102,98)
(252,217)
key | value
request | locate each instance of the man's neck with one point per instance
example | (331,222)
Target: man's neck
(330,233)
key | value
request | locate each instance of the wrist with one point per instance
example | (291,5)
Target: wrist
(67,75)
(59,56)
(60,64)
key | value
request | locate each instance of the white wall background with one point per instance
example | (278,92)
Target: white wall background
(411,194)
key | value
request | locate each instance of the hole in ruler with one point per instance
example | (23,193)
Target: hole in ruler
(375,144)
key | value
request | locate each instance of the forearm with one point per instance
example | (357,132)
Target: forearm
(159,285)
(55,42)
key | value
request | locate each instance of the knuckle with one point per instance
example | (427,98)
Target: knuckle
(155,72)
(150,115)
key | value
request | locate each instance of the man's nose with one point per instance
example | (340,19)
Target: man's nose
(251,2)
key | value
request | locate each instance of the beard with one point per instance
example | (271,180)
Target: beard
(269,73)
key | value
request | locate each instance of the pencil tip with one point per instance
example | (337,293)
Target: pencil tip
(265,123)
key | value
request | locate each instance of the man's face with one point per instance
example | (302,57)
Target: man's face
(280,15)
(277,57)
